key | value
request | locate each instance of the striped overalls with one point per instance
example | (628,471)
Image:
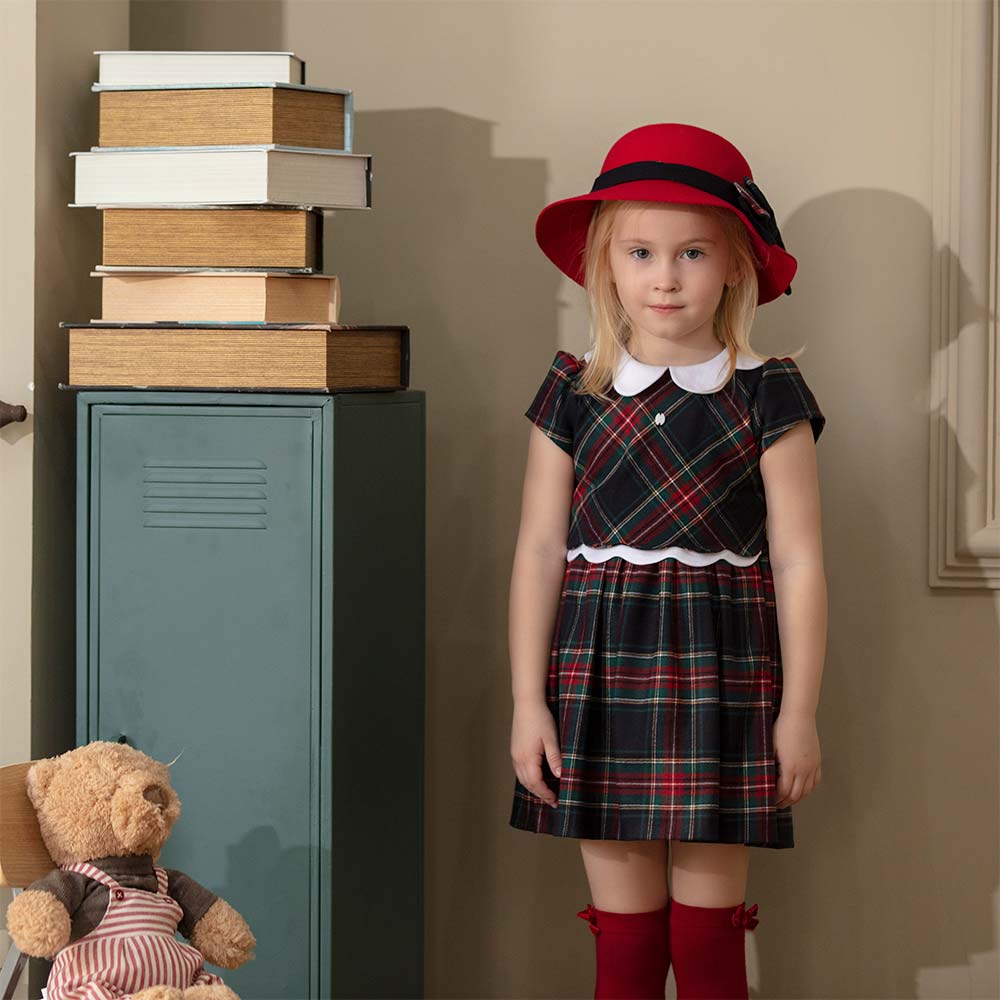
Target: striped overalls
(133,947)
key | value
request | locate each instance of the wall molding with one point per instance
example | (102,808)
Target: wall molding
(964,483)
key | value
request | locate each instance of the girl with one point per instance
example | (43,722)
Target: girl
(669,549)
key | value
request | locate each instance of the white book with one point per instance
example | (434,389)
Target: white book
(214,175)
(118,66)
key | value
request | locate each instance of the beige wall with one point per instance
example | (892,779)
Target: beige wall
(48,251)
(68,245)
(17,186)
(477,115)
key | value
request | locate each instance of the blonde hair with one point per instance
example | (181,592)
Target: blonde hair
(610,325)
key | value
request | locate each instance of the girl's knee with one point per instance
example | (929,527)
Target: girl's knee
(626,876)
(704,874)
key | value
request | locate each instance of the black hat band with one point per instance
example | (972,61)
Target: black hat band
(747,197)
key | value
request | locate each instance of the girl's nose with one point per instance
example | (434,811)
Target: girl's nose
(667,281)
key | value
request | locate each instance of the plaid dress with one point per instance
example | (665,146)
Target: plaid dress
(664,676)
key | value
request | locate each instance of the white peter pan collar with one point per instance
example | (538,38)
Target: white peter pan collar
(633,375)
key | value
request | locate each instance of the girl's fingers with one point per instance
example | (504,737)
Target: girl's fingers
(795,794)
(797,785)
(784,790)
(535,784)
(794,788)
(784,785)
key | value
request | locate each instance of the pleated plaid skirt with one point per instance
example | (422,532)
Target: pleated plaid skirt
(665,681)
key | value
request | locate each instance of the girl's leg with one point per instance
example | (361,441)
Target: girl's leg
(628,916)
(708,920)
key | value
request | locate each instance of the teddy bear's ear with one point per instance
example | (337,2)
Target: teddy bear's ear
(37,780)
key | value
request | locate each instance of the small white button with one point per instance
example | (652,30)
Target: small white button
(659,418)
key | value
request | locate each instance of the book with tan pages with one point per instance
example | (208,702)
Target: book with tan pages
(279,113)
(321,357)
(215,296)
(252,236)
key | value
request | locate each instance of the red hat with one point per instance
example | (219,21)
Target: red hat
(677,163)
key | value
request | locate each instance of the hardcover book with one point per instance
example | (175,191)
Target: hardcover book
(266,113)
(144,66)
(260,174)
(224,296)
(217,236)
(330,357)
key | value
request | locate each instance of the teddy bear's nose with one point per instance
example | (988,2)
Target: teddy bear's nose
(154,793)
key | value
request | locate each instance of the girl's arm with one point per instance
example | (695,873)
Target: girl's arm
(791,486)
(539,564)
(788,468)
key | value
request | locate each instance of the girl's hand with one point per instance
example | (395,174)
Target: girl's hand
(533,735)
(796,745)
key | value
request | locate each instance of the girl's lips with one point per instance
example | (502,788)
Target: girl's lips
(666,308)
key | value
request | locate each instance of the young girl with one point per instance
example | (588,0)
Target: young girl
(669,550)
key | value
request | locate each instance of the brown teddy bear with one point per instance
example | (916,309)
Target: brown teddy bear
(108,913)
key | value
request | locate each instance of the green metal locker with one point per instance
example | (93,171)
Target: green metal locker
(251,596)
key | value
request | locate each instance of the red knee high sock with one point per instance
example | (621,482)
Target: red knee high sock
(633,953)
(707,947)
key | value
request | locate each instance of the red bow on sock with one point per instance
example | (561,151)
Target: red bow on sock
(742,917)
(590,913)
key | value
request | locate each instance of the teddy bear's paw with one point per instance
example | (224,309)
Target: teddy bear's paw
(216,991)
(38,923)
(223,936)
(158,993)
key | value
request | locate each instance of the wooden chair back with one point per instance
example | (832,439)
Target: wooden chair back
(23,854)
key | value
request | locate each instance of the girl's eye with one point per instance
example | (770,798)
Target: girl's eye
(689,250)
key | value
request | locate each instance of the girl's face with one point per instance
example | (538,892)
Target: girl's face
(670,255)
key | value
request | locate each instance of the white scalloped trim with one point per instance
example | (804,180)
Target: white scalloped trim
(645,556)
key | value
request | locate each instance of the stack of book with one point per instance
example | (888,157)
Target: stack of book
(212,191)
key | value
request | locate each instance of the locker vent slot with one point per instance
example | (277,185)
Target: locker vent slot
(204,493)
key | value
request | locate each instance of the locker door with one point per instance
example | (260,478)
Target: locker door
(206,572)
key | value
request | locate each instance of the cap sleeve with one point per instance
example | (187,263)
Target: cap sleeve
(554,407)
(782,400)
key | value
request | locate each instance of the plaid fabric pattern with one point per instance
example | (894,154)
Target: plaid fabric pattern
(693,479)
(665,681)
(664,678)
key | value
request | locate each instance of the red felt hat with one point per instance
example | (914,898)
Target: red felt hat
(671,162)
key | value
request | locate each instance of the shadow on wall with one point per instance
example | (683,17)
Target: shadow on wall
(865,831)
(448,248)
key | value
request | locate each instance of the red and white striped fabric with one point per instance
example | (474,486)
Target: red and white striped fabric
(132,948)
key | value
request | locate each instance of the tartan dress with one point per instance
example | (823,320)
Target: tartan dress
(664,676)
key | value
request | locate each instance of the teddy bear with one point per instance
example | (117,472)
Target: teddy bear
(107,915)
